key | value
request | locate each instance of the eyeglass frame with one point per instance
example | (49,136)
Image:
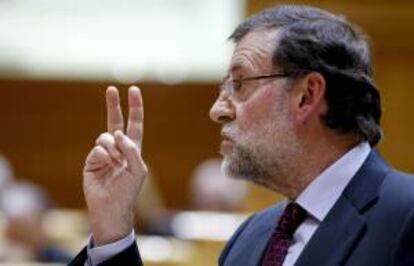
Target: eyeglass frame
(231,89)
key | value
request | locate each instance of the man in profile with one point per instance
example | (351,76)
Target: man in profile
(300,115)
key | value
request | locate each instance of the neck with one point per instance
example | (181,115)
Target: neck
(314,158)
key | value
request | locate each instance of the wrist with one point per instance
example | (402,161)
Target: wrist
(111,229)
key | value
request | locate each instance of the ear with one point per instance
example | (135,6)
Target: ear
(309,97)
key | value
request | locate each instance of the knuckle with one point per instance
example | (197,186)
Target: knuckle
(100,138)
(104,138)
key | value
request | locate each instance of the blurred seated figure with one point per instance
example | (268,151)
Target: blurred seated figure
(24,206)
(212,190)
(217,202)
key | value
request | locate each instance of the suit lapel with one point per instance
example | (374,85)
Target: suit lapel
(250,249)
(251,246)
(334,238)
(252,255)
(80,259)
(344,226)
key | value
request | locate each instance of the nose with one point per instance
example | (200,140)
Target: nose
(222,110)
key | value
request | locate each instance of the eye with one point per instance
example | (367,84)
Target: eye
(237,85)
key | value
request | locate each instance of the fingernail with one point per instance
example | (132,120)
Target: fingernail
(133,88)
(111,88)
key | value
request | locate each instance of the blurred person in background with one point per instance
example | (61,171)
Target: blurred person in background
(24,206)
(212,190)
(300,115)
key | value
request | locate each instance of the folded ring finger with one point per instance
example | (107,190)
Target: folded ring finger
(107,141)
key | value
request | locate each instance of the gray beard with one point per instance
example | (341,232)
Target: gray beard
(241,164)
(267,164)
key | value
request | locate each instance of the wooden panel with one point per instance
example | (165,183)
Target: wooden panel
(394,77)
(49,127)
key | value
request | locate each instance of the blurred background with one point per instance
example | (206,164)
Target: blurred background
(56,60)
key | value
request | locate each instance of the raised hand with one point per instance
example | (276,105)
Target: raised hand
(114,170)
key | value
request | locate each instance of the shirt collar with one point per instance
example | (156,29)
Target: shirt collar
(321,194)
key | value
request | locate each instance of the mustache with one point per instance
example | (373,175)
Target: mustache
(229,131)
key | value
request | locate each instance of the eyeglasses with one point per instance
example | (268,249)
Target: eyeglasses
(233,86)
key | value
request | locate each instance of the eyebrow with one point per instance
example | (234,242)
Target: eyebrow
(225,77)
(235,67)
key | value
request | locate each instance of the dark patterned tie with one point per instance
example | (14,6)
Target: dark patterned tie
(281,239)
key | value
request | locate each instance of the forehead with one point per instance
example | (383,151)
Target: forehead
(254,51)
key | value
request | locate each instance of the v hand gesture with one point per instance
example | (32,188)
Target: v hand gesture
(114,170)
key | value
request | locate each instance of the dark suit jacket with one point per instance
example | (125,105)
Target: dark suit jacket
(129,257)
(371,224)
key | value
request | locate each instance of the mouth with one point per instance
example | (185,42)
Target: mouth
(226,144)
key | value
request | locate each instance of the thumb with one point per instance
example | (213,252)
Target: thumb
(97,158)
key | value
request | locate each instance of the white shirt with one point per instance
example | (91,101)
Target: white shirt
(97,255)
(321,194)
(317,199)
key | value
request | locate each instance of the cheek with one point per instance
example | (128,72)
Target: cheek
(256,111)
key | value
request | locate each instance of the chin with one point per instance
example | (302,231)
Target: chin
(235,169)
(230,169)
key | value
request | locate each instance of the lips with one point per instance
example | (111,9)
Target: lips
(226,144)
(226,138)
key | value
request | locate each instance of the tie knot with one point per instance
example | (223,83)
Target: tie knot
(291,218)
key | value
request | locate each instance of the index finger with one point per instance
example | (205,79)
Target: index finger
(115,120)
(136,115)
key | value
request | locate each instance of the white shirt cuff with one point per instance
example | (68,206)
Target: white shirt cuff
(97,255)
